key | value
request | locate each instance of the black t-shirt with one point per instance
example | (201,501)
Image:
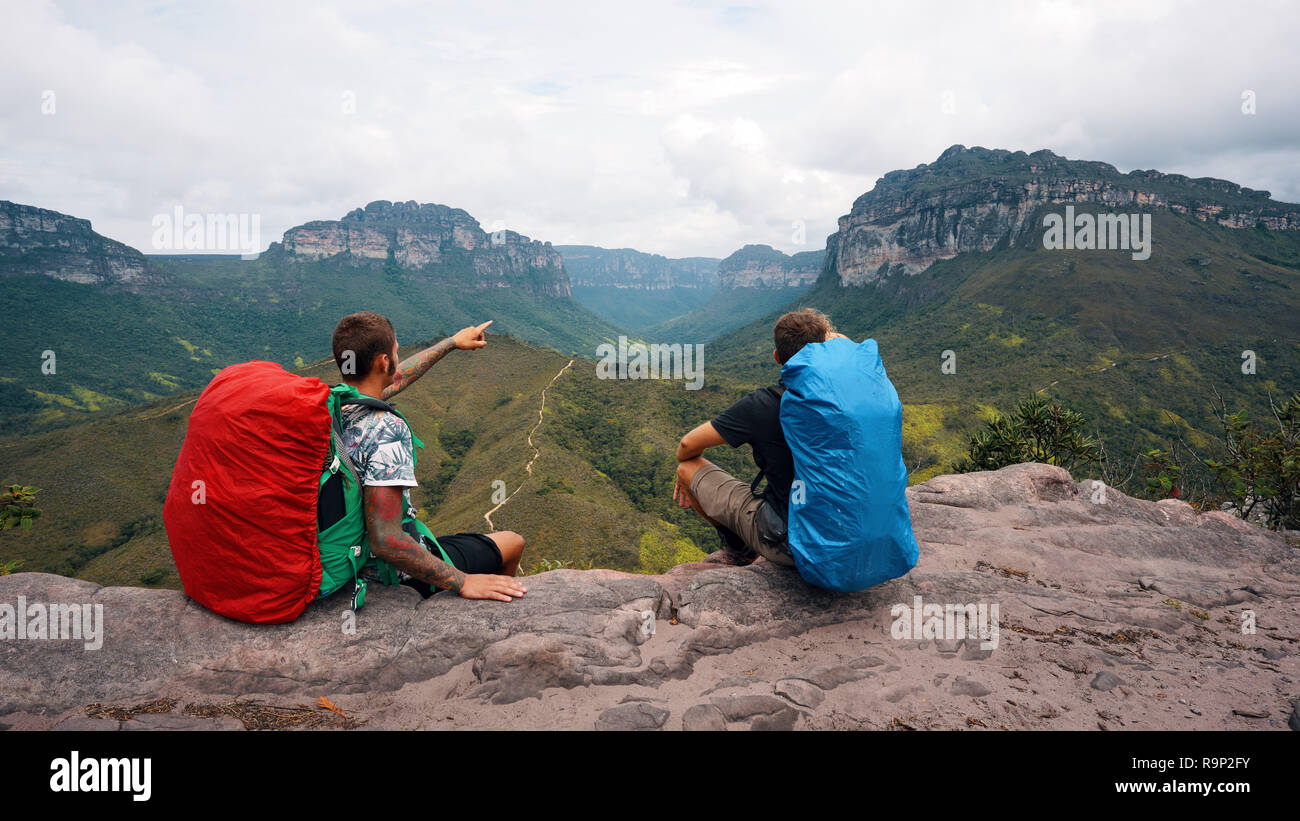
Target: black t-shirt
(755,420)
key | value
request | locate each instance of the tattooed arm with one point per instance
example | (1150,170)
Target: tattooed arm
(392,544)
(412,368)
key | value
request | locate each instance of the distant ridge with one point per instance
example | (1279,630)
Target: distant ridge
(973,199)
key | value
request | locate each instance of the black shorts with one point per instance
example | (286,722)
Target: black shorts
(469,553)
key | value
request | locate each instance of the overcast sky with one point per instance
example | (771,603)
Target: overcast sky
(683,129)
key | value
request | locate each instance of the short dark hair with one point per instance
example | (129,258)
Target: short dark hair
(798,328)
(365,335)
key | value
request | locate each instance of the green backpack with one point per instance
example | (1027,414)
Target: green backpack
(341,521)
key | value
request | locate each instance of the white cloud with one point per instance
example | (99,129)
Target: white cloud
(682,129)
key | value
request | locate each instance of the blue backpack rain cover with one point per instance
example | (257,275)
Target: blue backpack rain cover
(848,525)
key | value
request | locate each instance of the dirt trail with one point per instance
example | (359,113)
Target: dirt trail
(528,468)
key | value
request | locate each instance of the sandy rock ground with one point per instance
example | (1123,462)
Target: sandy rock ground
(1112,613)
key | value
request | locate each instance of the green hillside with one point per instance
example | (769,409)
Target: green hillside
(599,493)
(638,308)
(1122,341)
(115,348)
(726,310)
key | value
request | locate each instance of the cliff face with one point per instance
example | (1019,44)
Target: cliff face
(38,241)
(429,238)
(762,266)
(973,199)
(591,265)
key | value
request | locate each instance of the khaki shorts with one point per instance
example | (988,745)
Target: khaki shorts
(729,502)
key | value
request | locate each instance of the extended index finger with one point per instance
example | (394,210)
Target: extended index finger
(485,324)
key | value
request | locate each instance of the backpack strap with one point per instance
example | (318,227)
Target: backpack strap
(368,401)
(412,526)
(388,574)
(377,404)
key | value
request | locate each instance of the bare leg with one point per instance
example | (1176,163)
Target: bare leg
(512,550)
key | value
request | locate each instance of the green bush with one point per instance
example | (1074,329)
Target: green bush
(152,577)
(18,506)
(1040,430)
(550,484)
(1259,474)
(1162,475)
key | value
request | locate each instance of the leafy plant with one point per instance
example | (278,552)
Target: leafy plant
(1260,473)
(18,506)
(456,443)
(1040,430)
(1162,475)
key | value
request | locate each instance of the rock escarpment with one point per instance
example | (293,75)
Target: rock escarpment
(595,267)
(38,241)
(762,266)
(977,199)
(414,237)
(1116,613)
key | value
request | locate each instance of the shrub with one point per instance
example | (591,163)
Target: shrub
(1259,475)
(17,506)
(1040,430)
(152,577)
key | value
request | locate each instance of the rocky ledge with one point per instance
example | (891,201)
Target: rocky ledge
(977,199)
(429,237)
(1113,613)
(38,241)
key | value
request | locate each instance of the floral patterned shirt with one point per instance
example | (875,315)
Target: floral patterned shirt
(381,448)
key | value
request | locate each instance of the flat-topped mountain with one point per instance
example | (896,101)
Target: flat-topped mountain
(39,241)
(762,266)
(699,297)
(976,199)
(412,237)
(593,266)
(126,328)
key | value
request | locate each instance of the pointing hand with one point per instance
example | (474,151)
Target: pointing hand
(471,338)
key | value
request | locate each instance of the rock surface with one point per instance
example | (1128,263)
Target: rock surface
(975,199)
(39,241)
(1122,615)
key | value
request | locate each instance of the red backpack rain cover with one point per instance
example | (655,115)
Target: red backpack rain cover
(244,540)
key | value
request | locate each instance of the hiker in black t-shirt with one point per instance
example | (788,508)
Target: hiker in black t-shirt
(750,523)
